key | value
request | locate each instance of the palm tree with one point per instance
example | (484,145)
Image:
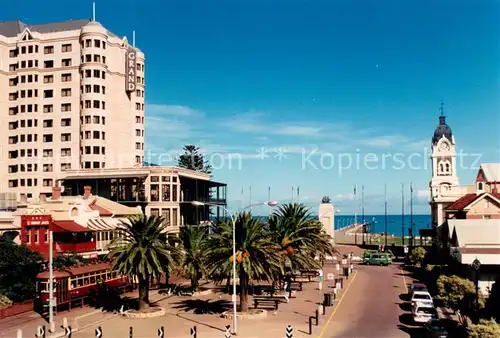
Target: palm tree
(257,256)
(142,250)
(194,242)
(300,236)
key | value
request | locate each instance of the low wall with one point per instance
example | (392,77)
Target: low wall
(16,309)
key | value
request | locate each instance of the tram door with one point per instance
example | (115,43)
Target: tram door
(61,291)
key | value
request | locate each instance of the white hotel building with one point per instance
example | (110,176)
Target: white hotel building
(71,97)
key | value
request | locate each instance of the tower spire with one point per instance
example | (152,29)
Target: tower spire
(441,107)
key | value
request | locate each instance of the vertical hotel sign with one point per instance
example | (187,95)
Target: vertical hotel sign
(130,70)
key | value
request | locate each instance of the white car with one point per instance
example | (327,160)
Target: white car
(423,312)
(422,297)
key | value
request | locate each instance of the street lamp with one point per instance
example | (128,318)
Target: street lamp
(51,282)
(476,265)
(233,221)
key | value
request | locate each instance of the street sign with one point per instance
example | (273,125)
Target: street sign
(98,332)
(406,249)
(330,276)
(344,261)
(161,332)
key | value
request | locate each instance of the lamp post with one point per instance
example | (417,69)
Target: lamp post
(51,282)
(233,221)
(476,265)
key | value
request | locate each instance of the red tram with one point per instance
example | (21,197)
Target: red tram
(74,284)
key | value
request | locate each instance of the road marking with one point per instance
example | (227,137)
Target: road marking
(404,278)
(338,305)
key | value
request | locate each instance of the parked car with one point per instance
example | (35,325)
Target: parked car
(434,329)
(377,258)
(416,287)
(421,297)
(423,312)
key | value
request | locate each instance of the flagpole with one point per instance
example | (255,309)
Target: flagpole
(363,212)
(412,235)
(385,207)
(250,198)
(293,191)
(355,214)
(269,200)
(402,214)
(242,198)
(298,194)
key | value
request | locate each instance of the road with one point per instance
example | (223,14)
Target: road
(371,306)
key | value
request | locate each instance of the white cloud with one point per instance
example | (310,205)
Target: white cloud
(171,110)
(423,194)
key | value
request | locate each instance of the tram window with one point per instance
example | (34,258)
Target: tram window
(43,286)
(106,236)
(111,235)
(92,279)
(73,283)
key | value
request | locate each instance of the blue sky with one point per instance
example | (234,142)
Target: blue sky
(331,78)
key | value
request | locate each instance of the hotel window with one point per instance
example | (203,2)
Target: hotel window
(97,89)
(47,182)
(96,104)
(48,153)
(47,123)
(66,107)
(174,217)
(48,79)
(66,48)
(65,137)
(66,152)
(97,43)
(88,104)
(96,165)
(165,214)
(12,82)
(13,53)
(137,146)
(155,212)
(96,150)
(12,183)
(95,135)
(47,168)
(165,188)
(103,120)
(65,166)
(65,77)
(13,96)
(97,73)
(155,192)
(48,50)
(66,62)
(87,134)
(174,193)
(48,64)
(88,58)
(48,93)
(48,108)
(88,73)
(47,138)
(103,105)
(66,92)
(65,122)
(97,58)
(96,119)
(46,233)
(137,132)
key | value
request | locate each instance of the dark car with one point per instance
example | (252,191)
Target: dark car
(416,287)
(435,329)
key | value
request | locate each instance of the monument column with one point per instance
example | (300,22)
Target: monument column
(326,215)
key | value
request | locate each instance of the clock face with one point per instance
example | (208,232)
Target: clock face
(444,146)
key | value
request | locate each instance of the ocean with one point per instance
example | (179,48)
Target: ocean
(393,223)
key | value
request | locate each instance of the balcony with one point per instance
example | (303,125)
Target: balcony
(75,247)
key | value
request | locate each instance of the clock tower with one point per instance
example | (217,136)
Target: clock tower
(444,185)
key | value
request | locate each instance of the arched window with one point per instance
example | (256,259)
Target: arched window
(448,170)
(74,212)
(480,186)
(441,168)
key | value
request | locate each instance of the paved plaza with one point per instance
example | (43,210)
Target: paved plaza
(368,306)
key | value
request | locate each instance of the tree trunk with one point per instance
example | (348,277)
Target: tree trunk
(143,292)
(243,290)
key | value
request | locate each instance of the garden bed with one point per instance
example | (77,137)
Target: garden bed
(250,314)
(150,312)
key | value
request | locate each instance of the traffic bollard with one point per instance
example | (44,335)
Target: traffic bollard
(310,325)
(131,332)
(317,317)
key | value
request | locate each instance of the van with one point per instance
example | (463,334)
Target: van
(377,258)
(423,312)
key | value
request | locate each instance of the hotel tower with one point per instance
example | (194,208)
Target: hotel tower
(71,97)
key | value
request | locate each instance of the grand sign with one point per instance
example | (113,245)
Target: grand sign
(130,70)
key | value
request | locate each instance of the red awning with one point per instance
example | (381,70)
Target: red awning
(69,226)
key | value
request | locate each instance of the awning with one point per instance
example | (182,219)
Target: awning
(104,224)
(102,176)
(68,226)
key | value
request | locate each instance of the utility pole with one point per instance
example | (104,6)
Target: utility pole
(51,281)
(412,235)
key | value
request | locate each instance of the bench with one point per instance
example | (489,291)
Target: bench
(269,301)
(294,284)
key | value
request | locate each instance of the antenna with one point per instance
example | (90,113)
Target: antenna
(442,108)
(133,39)
(93,11)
